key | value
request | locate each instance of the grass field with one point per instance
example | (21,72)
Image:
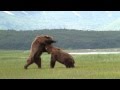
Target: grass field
(87,67)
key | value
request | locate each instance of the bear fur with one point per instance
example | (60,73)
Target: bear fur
(60,56)
(37,48)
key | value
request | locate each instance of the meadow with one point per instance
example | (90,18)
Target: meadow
(86,67)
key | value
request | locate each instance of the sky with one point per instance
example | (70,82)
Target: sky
(80,20)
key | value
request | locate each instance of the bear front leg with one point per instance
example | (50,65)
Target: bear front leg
(29,62)
(52,62)
(38,62)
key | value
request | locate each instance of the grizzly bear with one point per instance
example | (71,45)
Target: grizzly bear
(37,48)
(60,56)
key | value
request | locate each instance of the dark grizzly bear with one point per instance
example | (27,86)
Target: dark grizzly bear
(37,48)
(60,56)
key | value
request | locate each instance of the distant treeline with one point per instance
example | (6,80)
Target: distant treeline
(66,39)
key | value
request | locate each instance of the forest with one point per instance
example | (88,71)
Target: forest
(66,39)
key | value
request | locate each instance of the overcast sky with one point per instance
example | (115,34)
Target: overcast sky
(97,20)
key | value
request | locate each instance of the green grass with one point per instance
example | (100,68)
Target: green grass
(87,67)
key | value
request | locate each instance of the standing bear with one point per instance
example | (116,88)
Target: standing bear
(37,48)
(60,56)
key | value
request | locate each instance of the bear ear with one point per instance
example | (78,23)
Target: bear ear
(46,36)
(58,48)
(50,41)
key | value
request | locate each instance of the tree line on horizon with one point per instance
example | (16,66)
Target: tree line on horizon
(66,39)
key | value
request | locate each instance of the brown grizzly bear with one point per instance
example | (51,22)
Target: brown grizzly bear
(37,48)
(60,56)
